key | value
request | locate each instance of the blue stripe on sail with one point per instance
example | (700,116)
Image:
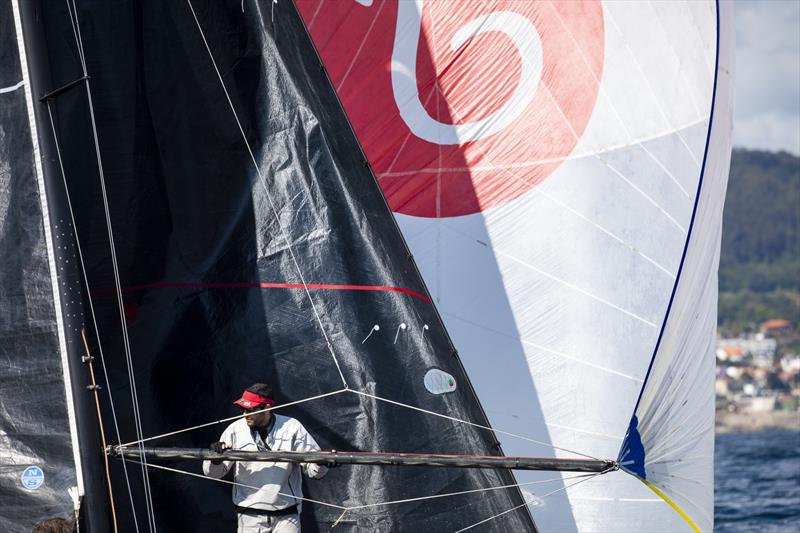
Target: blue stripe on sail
(631,457)
(634,422)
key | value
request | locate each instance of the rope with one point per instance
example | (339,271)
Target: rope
(486,489)
(115,267)
(473,424)
(590,476)
(102,428)
(269,198)
(345,508)
(91,310)
(178,471)
(148,439)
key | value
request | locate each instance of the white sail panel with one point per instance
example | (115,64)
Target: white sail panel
(552,244)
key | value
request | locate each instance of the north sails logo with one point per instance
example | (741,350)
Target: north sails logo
(32,478)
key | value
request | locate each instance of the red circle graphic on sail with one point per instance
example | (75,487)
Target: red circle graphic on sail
(461,106)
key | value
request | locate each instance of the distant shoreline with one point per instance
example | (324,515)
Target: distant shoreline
(759,421)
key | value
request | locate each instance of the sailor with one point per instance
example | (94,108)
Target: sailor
(267,496)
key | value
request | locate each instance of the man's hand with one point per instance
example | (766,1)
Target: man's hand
(218,447)
(333,464)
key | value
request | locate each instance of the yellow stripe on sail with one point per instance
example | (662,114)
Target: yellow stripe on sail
(671,504)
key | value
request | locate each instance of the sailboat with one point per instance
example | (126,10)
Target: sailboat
(196,195)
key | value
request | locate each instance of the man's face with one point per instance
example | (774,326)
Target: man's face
(254,419)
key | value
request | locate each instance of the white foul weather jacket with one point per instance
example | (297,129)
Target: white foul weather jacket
(262,485)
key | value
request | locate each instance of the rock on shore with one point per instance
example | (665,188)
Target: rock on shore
(757,421)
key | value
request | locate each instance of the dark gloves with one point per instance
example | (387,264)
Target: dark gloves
(217,447)
(333,464)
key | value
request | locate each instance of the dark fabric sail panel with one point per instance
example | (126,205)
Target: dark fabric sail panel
(214,247)
(37,466)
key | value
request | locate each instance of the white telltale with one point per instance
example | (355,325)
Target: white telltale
(403,327)
(375,328)
(404,73)
(439,382)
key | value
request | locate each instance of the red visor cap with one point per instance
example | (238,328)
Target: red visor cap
(250,400)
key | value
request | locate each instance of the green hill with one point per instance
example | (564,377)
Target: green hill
(759,273)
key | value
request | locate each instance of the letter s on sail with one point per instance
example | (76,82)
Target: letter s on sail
(404,73)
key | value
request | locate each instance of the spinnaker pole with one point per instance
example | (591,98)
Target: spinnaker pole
(600,466)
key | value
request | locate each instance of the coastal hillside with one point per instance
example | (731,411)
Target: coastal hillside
(760,262)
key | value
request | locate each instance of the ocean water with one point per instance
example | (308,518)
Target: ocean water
(757,486)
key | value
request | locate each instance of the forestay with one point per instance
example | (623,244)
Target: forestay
(559,170)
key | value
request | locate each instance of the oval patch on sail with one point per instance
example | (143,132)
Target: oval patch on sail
(32,478)
(439,382)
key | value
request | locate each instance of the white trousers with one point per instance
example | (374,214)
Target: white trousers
(289,523)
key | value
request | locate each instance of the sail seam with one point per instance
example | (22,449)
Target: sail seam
(526,164)
(675,287)
(653,93)
(540,347)
(473,424)
(691,227)
(640,141)
(269,196)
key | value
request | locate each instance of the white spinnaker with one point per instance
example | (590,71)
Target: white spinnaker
(554,280)
(556,299)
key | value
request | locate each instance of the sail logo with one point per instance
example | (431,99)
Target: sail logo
(32,478)
(462,106)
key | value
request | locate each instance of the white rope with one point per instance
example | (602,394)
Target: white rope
(486,489)
(138,442)
(12,88)
(115,267)
(91,310)
(473,424)
(269,198)
(590,476)
(378,504)
(178,471)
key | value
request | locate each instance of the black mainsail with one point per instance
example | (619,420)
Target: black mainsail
(215,223)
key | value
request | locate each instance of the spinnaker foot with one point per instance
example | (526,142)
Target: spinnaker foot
(599,466)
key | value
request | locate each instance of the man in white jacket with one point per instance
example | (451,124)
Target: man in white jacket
(267,496)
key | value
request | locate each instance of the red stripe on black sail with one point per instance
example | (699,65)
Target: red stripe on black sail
(275,193)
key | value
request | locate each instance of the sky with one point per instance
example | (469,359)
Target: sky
(767,112)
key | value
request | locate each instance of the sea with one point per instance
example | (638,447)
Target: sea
(757,486)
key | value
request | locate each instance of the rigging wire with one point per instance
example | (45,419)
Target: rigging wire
(269,198)
(345,508)
(179,431)
(91,311)
(473,424)
(193,474)
(527,502)
(118,285)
